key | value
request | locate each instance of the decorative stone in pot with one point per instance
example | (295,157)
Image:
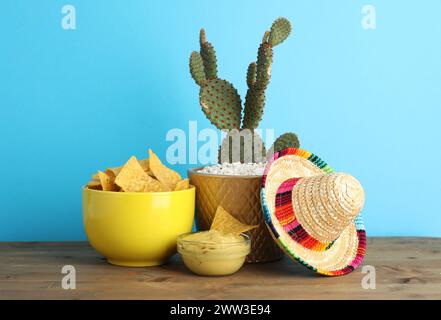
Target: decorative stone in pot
(239,195)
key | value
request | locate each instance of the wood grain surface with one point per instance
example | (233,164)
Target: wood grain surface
(406,268)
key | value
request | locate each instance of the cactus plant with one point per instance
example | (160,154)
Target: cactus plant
(222,104)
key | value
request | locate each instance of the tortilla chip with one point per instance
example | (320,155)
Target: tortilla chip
(155,186)
(107,181)
(113,171)
(166,175)
(94,184)
(132,178)
(182,185)
(150,173)
(226,223)
(145,164)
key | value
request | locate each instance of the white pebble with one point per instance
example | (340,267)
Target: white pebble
(236,169)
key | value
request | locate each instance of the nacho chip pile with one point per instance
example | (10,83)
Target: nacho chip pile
(147,175)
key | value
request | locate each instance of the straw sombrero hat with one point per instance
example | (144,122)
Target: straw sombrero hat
(313,213)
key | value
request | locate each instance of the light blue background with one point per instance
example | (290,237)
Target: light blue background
(71,102)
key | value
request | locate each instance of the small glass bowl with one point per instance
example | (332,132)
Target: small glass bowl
(213,258)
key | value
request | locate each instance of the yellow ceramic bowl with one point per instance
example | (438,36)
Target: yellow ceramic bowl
(137,229)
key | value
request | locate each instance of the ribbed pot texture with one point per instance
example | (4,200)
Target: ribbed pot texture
(239,195)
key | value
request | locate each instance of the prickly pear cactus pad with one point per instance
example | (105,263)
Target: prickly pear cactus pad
(286,140)
(243,146)
(221,103)
(197,68)
(254,106)
(208,56)
(264,61)
(280,30)
(251,74)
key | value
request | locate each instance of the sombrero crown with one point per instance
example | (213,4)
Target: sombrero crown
(315,210)
(311,211)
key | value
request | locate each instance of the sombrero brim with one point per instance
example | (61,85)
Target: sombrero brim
(347,251)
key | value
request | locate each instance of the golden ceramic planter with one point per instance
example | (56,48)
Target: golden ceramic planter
(239,195)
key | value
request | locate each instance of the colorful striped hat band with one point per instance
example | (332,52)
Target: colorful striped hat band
(312,213)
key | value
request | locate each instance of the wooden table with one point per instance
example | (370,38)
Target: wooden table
(406,268)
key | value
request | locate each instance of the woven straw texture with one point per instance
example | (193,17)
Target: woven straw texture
(331,242)
(325,205)
(241,197)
